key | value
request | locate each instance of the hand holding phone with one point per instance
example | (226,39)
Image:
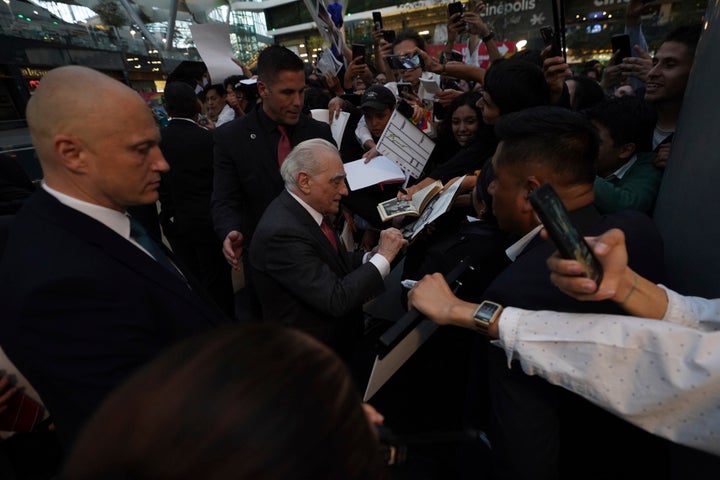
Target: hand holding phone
(358,51)
(622,43)
(562,232)
(550,38)
(404,88)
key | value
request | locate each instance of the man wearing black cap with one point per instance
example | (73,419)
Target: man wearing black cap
(377,105)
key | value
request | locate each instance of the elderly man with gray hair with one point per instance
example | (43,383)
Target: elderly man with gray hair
(304,276)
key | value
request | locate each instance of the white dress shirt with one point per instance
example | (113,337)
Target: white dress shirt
(663,376)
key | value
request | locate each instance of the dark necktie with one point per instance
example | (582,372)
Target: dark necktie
(284,147)
(141,236)
(329,233)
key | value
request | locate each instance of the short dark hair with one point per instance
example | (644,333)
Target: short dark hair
(233,80)
(628,120)
(243,401)
(688,35)
(515,85)
(179,100)
(588,92)
(409,35)
(563,141)
(275,59)
(218,87)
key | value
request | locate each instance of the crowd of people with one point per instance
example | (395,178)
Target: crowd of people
(150,363)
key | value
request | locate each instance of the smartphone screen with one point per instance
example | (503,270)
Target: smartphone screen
(621,42)
(377,20)
(562,232)
(358,50)
(455,7)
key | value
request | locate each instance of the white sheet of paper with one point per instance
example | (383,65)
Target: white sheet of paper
(337,127)
(405,144)
(212,40)
(379,169)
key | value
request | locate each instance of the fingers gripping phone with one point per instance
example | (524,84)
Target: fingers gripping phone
(550,38)
(562,232)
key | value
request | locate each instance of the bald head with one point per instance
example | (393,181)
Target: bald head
(94,136)
(71,99)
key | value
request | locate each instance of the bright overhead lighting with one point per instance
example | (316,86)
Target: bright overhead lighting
(521,44)
(424,32)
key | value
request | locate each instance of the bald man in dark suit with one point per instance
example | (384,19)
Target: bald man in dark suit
(87,297)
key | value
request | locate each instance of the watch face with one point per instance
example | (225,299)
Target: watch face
(487,310)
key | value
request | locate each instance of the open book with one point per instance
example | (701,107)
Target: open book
(414,208)
(437,205)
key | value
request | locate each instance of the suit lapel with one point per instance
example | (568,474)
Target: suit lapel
(95,233)
(336,259)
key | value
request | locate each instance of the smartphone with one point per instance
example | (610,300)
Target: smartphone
(404,87)
(621,42)
(455,7)
(389,35)
(394,61)
(358,50)
(438,111)
(549,38)
(405,109)
(562,232)
(377,20)
(455,56)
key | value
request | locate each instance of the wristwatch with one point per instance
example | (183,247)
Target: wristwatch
(488,37)
(485,315)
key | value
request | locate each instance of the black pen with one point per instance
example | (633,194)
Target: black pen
(403,190)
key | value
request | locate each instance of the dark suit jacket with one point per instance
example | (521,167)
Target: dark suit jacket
(247,177)
(186,189)
(83,308)
(302,282)
(548,427)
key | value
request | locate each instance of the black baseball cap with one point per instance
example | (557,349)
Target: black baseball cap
(378,97)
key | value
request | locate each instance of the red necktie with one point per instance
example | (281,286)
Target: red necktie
(284,146)
(22,414)
(327,230)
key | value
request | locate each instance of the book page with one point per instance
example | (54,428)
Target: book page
(437,206)
(403,143)
(414,207)
(395,208)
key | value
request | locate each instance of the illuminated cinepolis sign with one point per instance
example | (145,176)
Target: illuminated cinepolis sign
(510,7)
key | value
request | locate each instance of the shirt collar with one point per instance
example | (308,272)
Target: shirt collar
(620,172)
(514,250)
(317,216)
(116,221)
